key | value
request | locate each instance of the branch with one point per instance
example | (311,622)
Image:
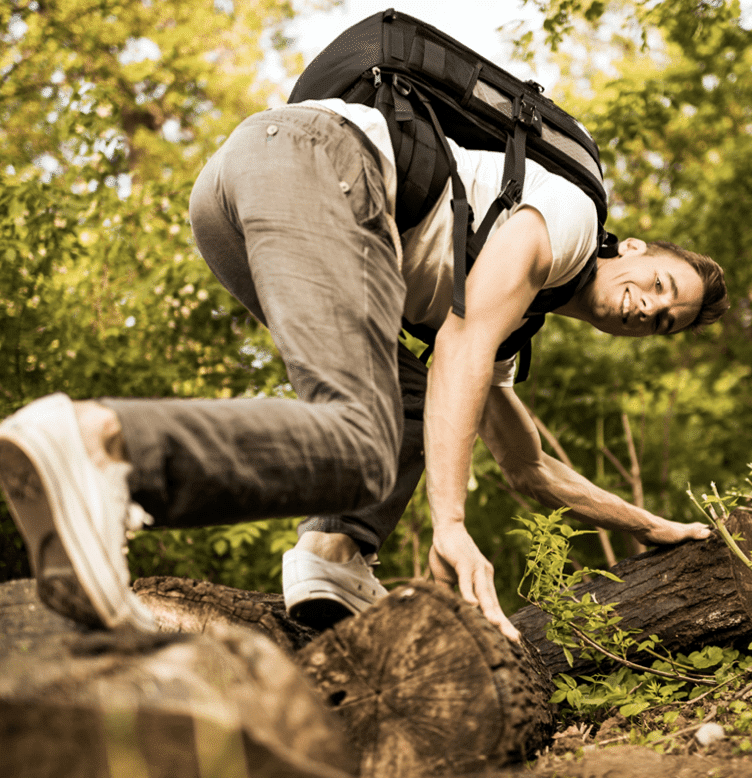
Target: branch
(636,479)
(608,550)
(617,464)
(700,679)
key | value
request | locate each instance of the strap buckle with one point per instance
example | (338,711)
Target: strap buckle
(402,85)
(528,114)
(510,194)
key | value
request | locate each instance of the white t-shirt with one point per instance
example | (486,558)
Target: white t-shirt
(428,255)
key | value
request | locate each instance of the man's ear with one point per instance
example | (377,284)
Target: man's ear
(632,246)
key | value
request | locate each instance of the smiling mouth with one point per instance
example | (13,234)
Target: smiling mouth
(626,306)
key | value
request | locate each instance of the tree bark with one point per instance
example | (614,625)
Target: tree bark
(186,605)
(427,686)
(76,703)
(424,685)
(694,594)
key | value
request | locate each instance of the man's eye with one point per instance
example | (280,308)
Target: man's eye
(658,284)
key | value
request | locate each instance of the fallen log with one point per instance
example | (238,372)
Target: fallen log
(690,595)
(427,686)
(423,683)
(76,702)
(186,605)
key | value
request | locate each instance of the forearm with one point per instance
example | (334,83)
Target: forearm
(454,401)
(554,484)
(512,438)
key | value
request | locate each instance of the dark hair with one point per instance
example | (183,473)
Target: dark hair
(715,301)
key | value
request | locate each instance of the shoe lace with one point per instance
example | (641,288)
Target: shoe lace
(137,518)
(134,516)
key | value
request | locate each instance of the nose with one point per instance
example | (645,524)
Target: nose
(651,306)
(647,306)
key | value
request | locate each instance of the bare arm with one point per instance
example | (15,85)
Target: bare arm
(512,438)
(506,277)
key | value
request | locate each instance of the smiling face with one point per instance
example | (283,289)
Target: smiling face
(638,294)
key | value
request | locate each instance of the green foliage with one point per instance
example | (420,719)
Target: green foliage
(245,556)
(107,113)
(550,586)
(579,623)
(102,291)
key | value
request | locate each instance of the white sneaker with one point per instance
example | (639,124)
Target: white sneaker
(321,593)
(72,515)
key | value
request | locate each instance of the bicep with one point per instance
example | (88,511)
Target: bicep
(510,270)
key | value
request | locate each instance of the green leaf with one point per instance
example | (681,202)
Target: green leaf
(633,708)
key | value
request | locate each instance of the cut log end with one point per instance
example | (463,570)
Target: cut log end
(427,686)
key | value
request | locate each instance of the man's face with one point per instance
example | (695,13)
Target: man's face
(638,294)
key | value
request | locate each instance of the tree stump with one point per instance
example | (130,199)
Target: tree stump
(694,594)
(76,703)
(427,686)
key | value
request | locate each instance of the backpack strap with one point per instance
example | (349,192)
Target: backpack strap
(527,118)
(545,301)
(462,212)
(422,168)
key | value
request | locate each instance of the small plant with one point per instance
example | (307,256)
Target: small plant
(581,624)
(716,510)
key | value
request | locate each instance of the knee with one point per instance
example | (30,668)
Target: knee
(380,462)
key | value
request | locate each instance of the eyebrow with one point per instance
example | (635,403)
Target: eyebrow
(674,287)
(670,319)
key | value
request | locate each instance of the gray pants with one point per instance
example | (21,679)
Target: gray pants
(289,215)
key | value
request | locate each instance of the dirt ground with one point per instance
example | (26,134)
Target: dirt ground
(608,751)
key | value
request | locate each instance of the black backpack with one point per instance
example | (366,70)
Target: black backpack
(422,80)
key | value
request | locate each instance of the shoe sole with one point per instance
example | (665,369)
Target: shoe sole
(74,576)
(317,604)
(320,613)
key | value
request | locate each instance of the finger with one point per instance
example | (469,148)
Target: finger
(510,631)
(467,586)
(442,572)
(489,601)
(489,604)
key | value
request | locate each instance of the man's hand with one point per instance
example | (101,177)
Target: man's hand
(668,532)
(455,559)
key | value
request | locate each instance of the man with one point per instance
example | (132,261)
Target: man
(294,215)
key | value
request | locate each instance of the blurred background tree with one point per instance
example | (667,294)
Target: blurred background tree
(109,109)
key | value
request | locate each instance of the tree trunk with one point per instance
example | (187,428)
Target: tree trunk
(422,682)
(427,686)
(690,595)
(85,704)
